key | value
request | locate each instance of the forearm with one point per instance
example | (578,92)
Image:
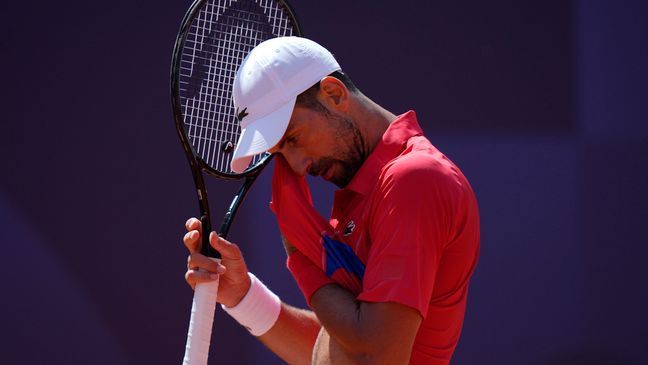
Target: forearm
(343,318)
(328,352)
(366,333)
(315,285)
(293,336)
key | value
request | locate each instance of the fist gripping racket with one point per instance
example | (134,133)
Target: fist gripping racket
(214,38)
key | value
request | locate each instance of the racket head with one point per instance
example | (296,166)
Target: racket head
(214,38)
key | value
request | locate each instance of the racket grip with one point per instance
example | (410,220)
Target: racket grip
(200,324)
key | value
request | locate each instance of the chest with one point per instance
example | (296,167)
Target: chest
(351,222)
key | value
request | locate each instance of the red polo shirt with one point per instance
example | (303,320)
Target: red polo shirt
(405,230)
(416,229)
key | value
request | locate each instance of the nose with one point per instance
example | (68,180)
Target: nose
(298,161)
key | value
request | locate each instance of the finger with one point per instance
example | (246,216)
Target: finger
(191,240)
(227,249)
(194,277)
(197,261)
(193,224)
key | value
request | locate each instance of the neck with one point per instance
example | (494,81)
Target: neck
(372,121)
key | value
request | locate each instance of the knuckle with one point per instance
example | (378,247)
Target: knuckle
(193,260)
(188,223)
(233,246)
(191,240)
(193,276)
(192,223)
(236,249)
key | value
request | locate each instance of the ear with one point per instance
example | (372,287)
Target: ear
(334,93)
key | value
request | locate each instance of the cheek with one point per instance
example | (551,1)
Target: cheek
(335,148)
(327,149)
(318,145)
(321,140)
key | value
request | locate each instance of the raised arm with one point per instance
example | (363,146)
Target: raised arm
(293,335)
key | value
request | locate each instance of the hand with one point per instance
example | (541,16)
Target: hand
(234,279)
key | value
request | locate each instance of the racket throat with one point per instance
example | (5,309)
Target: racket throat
(234,206)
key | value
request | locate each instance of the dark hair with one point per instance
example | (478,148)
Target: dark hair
(308,98)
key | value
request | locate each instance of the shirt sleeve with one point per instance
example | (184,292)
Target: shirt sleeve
(411,224)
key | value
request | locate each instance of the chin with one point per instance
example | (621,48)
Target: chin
(343,175)
(341,181)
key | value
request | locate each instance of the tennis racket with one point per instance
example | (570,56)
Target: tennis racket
(214,38)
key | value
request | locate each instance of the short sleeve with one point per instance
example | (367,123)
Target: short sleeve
(410,224)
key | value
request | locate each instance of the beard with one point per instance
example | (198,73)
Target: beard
(346,169)
(348,154)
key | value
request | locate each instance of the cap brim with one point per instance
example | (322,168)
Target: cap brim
(261,135)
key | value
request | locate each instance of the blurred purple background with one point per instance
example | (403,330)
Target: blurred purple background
(542,104)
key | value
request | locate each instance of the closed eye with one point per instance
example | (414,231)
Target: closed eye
(292,140)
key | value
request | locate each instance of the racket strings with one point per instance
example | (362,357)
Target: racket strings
(219,38)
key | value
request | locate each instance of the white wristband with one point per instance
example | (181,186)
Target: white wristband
(258,310)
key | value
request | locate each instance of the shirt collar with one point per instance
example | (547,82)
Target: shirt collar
(391,145)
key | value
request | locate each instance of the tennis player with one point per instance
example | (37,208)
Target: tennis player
(386,277)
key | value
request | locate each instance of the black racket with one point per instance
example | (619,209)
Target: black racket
(214,38)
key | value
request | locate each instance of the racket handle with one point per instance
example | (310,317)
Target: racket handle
(200,324)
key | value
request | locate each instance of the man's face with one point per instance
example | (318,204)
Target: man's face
(322,143)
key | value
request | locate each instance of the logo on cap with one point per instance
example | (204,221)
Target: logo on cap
(242,114)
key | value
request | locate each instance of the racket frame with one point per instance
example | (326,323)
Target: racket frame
(196,163)
(205,295)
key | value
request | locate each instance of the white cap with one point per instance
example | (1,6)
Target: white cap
(266,87)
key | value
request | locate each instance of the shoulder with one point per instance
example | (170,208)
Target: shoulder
(418,195)
(421,168)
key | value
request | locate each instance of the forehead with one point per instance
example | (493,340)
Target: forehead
(299,116)
(300,120)
(289,129)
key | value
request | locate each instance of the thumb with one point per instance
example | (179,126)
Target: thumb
(227,249)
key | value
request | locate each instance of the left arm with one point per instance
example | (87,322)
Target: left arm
(356,331)
(362,332)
